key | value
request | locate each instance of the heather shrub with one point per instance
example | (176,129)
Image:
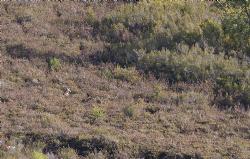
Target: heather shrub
(21,19)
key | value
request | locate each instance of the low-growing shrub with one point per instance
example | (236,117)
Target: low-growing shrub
(121,53)
(152,109)
(68,153)
(128,111)
(233,91)
(107,73)
(189,38)
(54,64)
(157,94)
(126,74)
(97,113)
(193,66)
(38,155)
(90,16)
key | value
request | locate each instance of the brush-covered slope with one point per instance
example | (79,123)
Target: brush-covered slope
(156,79)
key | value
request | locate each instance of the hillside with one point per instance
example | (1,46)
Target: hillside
(156,79)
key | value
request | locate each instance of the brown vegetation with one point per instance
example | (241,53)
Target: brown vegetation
(78,81)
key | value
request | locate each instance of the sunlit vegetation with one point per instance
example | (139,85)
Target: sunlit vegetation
(125,79)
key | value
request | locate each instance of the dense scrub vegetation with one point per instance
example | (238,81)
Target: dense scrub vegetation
(212,45)
(126,79)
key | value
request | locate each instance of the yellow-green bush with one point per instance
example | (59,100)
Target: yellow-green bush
(54,64)
(97,113)
(38,155)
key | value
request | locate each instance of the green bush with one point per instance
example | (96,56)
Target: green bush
(38,155)
(97,113)
(121,53)
(54,64)
(236,26)
(107,73)
(237,31)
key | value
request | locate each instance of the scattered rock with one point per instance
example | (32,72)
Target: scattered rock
(35,81)
(67,91)
(11,148)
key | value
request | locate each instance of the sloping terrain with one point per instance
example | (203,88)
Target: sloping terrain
(88,80)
